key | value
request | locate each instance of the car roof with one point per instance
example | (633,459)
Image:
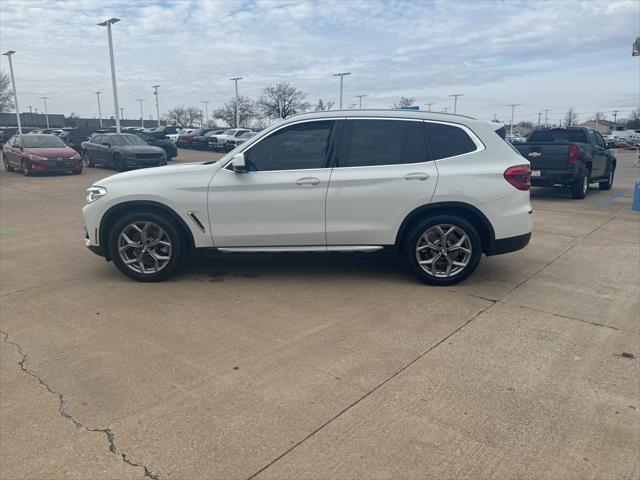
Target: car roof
(387,113)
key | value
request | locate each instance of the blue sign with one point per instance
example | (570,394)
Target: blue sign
(412,107)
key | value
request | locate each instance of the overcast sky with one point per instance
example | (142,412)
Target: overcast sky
(541,54)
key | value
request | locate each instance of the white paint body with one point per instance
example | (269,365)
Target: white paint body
(327,207)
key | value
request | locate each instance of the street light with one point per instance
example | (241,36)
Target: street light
(341,75)
(206,111)
(155,92)
(108,23)
(13,85)
(141,115)
(122,113)
(46,114)
(513,107)
(429,106)
(455,101)
(99,109)
(359,97)
(30,114)
(546,117)
(235,79)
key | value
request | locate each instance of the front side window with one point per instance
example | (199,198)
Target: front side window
(96,139)
(385,142)
(301,146)
(599,140)
(448,140)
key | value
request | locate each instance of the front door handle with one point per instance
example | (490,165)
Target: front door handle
(308,181)
(416,176)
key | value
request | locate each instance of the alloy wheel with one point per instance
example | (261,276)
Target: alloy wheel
(585,183)
(144,247)
(443,251)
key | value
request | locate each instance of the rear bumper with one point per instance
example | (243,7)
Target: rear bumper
(506,245)
(549,178)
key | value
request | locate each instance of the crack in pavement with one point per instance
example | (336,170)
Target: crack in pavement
(111,440)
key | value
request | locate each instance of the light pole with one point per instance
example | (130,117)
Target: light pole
(155,92)
(108,23)
(235,79)
(99,109)
(540,115)
(546,117)
(141,115)
(37,122)
(359,97)
(122,113)
(445,109)
(13,86)
(455,101)
(206,111)
(429,106)
(513,107)
(30,114)
(341,75)
(46,114)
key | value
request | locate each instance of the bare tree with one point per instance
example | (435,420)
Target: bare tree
(404,103)
(570,118)
(183,116)
(599,116)
(282,100)
(6,94)
(227,113)
(633,122)
(323,106)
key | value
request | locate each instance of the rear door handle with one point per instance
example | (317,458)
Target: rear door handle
(416,176)
(308,181)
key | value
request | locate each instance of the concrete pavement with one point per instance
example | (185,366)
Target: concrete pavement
(312,367)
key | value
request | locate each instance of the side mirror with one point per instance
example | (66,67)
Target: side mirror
(237,163)
(611,145)
(106,144)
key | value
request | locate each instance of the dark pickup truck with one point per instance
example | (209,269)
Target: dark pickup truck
(570,157)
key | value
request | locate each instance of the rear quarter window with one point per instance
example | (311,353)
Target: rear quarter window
(448,141)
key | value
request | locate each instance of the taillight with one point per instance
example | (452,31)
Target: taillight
(519,176)
(572,156)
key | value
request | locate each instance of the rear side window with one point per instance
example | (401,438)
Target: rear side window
(448,141)
(385,142)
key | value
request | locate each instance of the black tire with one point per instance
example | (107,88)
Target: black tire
(176,253)
(415,236)
(117,162)
(608,183)
(580,186)
(26,171)
(86,159)
(7,166)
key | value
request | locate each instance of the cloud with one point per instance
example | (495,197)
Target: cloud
(542,54)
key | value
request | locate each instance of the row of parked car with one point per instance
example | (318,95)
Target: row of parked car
(219,140)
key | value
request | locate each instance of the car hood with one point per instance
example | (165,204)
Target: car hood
(139,149)
(58,152)
(151,174)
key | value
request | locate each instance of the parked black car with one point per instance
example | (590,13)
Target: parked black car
(201,142)
(162,131)
(167,145)
(121,151)
(571,157)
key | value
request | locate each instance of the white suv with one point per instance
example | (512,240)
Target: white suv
(442,189)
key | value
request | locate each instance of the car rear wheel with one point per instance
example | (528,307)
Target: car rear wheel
(7,165)
(442,250)
(608,183)
(146,246)
(26,170)
(580,186)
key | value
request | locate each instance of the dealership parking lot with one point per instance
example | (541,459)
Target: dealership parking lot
(314,366)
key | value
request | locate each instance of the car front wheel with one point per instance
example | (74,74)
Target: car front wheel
(608,183)
(7,165)
(442,250)
(26,170)
(146,246)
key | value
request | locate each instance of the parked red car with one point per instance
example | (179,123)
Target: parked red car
(185,141)
(40,153)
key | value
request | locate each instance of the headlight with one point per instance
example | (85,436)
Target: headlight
(36,157)
(76,157)
(94,193)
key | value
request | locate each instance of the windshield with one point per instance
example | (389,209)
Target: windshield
(42,141)
(126,140)
(246,135)
(558,136)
